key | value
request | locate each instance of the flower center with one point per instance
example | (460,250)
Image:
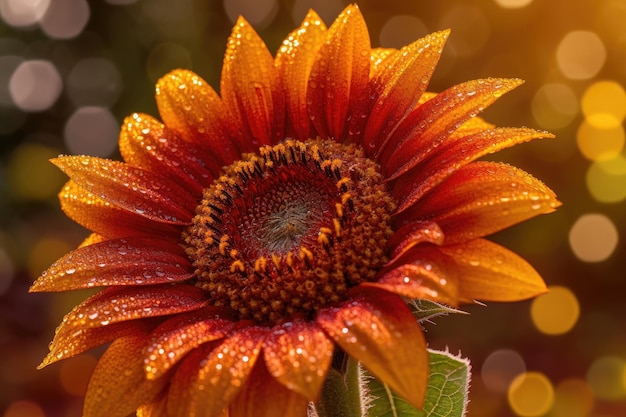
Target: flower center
(289,230)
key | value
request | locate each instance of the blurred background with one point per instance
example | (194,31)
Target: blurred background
(70,70)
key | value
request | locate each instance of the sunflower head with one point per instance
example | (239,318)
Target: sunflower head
(251,236)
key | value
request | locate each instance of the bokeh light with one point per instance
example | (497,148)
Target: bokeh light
(65,19)
(259,13)
(401,30)
(605,377)
(30,175)
(35,85)
(599,143)
(555,312)
(604,104)
(24,409)
(554,105)
(606,180)
(500,368)
(531,394)
(573,397)
(580,55)
(513,4)
(470,26)
(91,130)
(593,237)
(94,81)
(21,13)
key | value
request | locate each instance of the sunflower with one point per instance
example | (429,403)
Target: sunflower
(252,238)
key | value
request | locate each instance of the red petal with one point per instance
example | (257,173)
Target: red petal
(378,329)
(263,396)
(416,280)
(96,214)
(412,234)
(69,342)
(483,198)
(173,339)
(145,193)
(146,144)
(455,154)
(118,385)
(397,87)
(129,261)
(206,385)
(339,74)
(191,107)
(250,87)
(490,272)
(298,355)
(434,121)
(293,61)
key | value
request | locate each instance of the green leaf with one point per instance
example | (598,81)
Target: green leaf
(424,310)
(446,394)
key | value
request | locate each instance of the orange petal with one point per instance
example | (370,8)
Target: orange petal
(114,305)
(397,87)
(339,74)
(483,198)
(378,59)
(430,124)
(191,107)
(69,342)
(490,272)
(206,385)
(419,281)
(293,62)
(129,261)
(250,87)
(144,143)
(298,355)
(377,329)
(133,189)
(263,396)
(118,385)
(412,234)
(155,408)
(455,154)
(107,220)
(173,339)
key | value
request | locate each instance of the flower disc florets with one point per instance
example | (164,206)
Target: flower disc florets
(288,230)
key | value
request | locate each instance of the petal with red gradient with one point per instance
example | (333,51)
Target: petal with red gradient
(397,86)
(118,385)
(483,198)
(69,342)
(419,281)
(182,333)
(191,107)
(107,220)
(147,194)
(490,272)
(293,62)
(378,329)
(430,124)
(339,74)
(205,385)
(161,150)
(412,234)
(116,262)
(250,87)
(455,154)
(264,396)
(157,407)
(115,304)
(298,354)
